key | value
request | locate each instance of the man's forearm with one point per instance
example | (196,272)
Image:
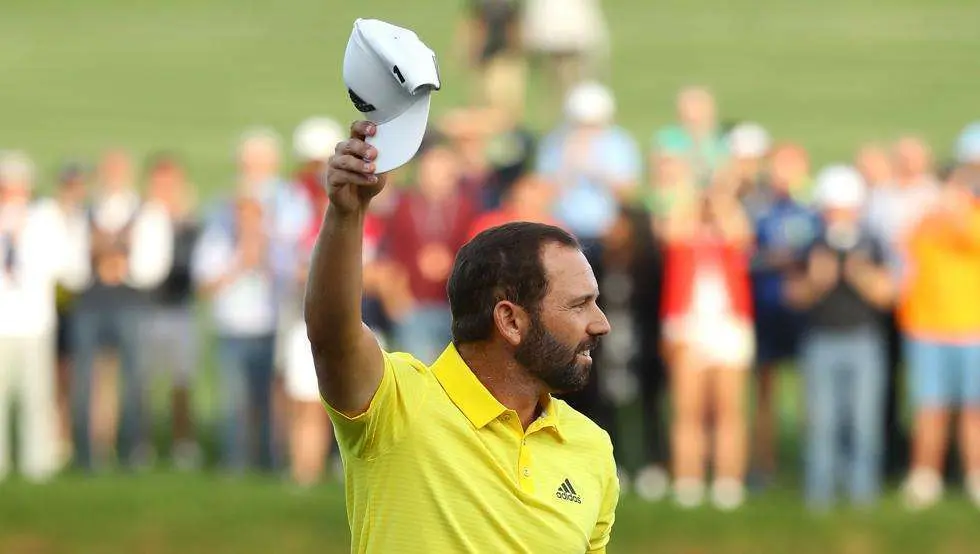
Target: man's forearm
(334,287)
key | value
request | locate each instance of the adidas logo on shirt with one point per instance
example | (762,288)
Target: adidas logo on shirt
(567,492)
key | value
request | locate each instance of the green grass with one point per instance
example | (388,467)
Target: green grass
(190,75)
(164,513)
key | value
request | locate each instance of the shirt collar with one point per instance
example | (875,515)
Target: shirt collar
(475,401)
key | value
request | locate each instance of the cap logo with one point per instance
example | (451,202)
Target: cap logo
(398,73)
(359,102)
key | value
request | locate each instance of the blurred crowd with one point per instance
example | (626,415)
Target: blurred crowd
(722,256)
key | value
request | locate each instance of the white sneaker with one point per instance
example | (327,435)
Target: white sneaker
(652,483)
(727,494)
(973,487)
(923,489)
(689,493)
(187,455)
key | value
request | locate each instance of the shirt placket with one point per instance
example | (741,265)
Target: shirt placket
(525,461)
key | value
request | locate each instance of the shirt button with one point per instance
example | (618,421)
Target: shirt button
(507,417)
(527,472)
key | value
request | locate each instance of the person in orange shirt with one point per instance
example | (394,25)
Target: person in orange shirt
(939,314)
(529,199)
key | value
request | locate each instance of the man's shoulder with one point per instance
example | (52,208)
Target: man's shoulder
(577,428)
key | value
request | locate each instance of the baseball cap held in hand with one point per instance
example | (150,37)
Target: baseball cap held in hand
(390,74)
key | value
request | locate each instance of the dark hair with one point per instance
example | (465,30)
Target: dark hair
(501,263)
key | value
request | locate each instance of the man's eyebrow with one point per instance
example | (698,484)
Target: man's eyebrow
(583,298)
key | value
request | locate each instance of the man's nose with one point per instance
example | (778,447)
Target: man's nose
(600,326)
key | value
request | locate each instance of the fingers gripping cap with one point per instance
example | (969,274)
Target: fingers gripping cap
(390,74)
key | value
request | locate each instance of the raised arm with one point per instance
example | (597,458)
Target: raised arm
(348,359)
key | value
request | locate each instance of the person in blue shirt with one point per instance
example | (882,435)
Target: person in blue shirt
(784,229)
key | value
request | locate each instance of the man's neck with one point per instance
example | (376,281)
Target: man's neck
(502,376)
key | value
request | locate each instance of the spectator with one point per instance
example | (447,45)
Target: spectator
(875,166)
(893,210)
(784,229)
(571,36)
(170,341)
(234,272)
(314,141)
(707,311)
(69,206)
(939,317)
(671,187)
(428,226)
(310,432)
(894,207)
(595,163)
(530,199)
(842,285)
(490,37)
(130,245)
(596,167)
(34,249)
(748,144)
(696,136)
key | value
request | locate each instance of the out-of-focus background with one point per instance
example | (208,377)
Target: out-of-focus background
(810,168)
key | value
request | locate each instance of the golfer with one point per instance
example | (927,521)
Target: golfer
(471,453)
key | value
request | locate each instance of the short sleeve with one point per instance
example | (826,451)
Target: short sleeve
(389,415)
(607,512)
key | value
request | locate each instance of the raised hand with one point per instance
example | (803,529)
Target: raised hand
(351,180)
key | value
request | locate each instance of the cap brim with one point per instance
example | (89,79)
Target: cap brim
(399,140)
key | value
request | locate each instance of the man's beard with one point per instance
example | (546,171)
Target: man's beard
(553,362)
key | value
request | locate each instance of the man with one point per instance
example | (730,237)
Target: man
(129,251)
(232,269)
(429,225)
(33,258)
(899,199)
(170,343)
(784,230)
(842,285)
(472,453)
(938,317)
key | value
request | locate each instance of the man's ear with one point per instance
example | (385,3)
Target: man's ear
(512,321)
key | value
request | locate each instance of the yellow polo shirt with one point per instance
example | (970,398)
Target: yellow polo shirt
(437,465)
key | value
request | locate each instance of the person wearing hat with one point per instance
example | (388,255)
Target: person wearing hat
(34,257)
(472,452)
(939,319)
(842,286)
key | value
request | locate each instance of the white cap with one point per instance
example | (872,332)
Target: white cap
(16,167)
(316,138)
(390,73)
(748,140)
(840,187)
(590,103)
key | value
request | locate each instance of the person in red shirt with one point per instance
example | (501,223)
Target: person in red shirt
(708,331)
(529,199)
(428,226)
